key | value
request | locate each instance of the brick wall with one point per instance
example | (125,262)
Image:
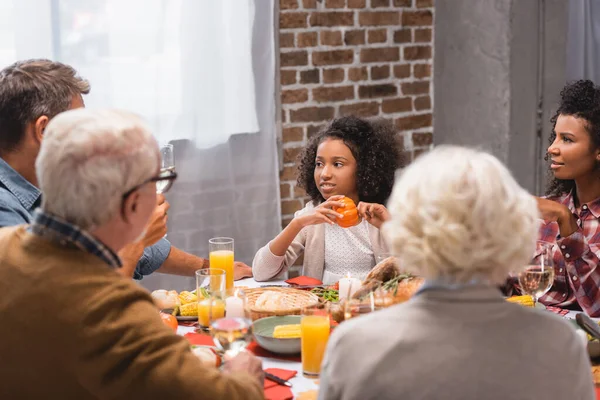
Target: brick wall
(363,57)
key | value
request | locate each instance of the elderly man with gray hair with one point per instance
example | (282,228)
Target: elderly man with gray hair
(72,326)
(461,221)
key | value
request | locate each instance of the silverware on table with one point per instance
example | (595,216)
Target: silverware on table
(277,379)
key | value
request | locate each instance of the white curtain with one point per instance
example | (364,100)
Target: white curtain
(583,41)
(203,74)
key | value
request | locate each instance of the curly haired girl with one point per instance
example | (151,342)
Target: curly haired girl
(351,157)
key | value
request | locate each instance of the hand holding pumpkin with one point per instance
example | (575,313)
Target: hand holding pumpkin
(323,213)
(375,214)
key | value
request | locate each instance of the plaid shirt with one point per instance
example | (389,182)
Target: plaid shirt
(576,259)
(66,234)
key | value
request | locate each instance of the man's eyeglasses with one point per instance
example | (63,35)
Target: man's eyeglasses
(164,180)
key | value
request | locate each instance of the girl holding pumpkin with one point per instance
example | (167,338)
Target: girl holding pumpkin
(352,161)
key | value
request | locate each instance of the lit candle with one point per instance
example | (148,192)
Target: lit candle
(234,306)
(348,286)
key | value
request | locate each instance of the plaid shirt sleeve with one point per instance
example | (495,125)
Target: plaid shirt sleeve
(581,265)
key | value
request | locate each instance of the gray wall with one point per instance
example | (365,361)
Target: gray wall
(498,67)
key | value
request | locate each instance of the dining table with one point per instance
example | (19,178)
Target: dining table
(299,382)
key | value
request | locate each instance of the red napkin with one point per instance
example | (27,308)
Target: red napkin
(304,281)
(557,310)
(285,374)
(199,339)
(274,391)
(597,392)
(258,351)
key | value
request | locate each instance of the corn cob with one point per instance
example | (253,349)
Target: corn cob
(187,297)
(287,331)
(188,310)
(524,300)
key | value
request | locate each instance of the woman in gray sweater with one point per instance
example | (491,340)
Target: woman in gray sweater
(461,221)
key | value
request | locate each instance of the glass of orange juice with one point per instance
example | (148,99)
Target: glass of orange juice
(221,257)
(314,330)
(210,289)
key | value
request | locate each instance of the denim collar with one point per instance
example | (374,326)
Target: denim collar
(21,188)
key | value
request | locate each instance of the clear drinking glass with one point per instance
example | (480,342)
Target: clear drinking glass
(167,163)
(537,277)
(221,257)
(210,289)
(234,332)
(315,326)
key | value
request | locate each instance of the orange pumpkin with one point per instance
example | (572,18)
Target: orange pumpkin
(169,320)
(349,212)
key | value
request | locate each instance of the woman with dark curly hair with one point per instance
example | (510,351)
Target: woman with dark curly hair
(351,157)
(572,209)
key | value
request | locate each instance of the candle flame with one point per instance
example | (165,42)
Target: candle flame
(348,275)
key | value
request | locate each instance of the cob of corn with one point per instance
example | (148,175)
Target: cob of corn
(187,297)
(287,331)
(188,310)
(524,300)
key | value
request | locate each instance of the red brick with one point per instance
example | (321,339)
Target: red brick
(358,74)
(290,154)
(402,71)
(357,3)
(380,72)
(417,18)
(423,35)
(423,103)
(331,38)
(313,129)
(402,3)
(422,70)
(332,57)
(419,152)
(294,96)
(290,206)
(309,76)
(288,4)
(373,91)
(364,109)
(422,139)
(378,36)
(417,53)
(354,37)
(424,3)
(286,39)
(399,141)
(291,20)
(374,18)
(293,58)
(402,104)
(288,174)
(309,3)
(333,18)
(333,75)
(380,3)
(292,134)
(333,93)
(335,3)
(414,122)
(288,76)
(285,190)
(379,54)
(307,39)
(403,36)
(312,114)
(299,192)
(421,87)
(283,115)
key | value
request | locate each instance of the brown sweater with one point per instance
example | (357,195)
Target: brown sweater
(73,328)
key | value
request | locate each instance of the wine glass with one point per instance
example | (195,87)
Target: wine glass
(234,332)
(167,164)
(537,278)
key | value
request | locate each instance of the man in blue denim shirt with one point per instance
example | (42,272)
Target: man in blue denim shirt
(31,93)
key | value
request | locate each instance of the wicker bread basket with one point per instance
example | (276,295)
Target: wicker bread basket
(296,300)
